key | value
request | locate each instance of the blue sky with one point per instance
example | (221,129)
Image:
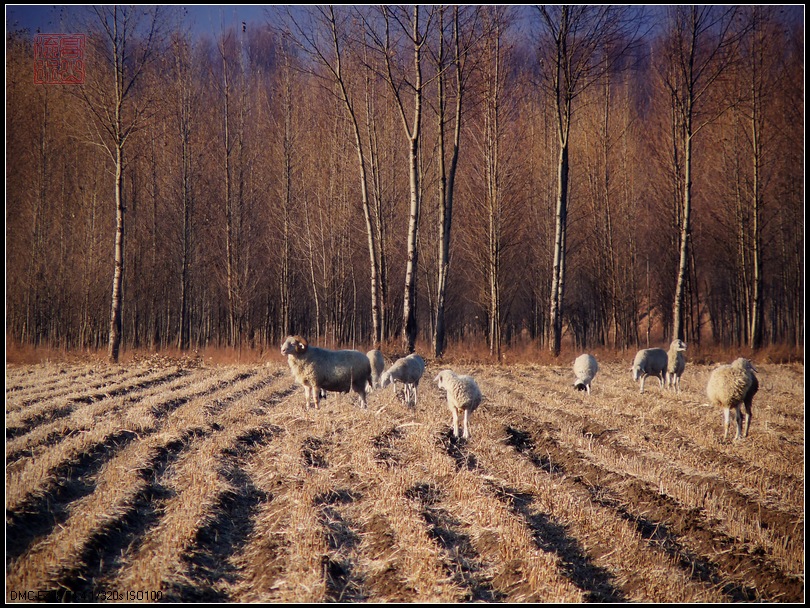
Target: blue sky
(55,19)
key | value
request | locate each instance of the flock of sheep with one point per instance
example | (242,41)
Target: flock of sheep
(321,370)
(731,387)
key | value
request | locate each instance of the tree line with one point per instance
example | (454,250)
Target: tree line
(593,174)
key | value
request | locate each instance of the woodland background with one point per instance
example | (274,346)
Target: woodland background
(279,179)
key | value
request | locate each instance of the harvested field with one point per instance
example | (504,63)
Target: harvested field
(190,483)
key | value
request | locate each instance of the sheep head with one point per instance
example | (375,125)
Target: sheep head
(442,378)
(294,345)
(678,345)
(745,364)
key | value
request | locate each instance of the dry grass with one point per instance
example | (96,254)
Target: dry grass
(213,483)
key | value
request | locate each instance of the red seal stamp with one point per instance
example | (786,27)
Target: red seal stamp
(59,58)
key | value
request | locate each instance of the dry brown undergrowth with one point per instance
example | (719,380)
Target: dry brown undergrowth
(200,482)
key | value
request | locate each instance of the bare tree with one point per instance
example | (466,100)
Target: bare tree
(573,56)
(186,100)
(330,54)
(457,58)
(759,56)
(700,45)
(127,43)
(400,81)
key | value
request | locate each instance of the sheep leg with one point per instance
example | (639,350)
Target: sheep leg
(455,423)
(748,412)
(316,396)
(726,413)
(466,425)
(738,414)
(587,388)
(644,377)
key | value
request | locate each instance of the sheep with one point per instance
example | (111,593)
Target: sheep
(407,370)
(463,395)
(676,363)
(585,368)
(748,400)
(320,369)
(377,362)
(731,386)
(649,362)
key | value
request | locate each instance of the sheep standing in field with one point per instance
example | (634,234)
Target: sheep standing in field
(676,362)
(730,387)
(320,369)
(650,362)
(375,358)
(407,370)
(585,368)
(463,396)
(748,400)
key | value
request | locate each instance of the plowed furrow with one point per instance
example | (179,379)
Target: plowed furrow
(128,500)
(464,563)
(51,410)
(209,568)
(127,515)
(31,475)
(81,418)
(93,391)
(93,494)
(74,479)
(685,434)
(548,535)
(19,381)
(686,527)
(488,551)
(705,491)
(169,557)
(340,572)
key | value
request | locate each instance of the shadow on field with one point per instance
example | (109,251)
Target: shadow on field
(664,524)
(343,583)
(456,448)
(102,554)
(464,565)
(208,560)
(595,581)
(38,516)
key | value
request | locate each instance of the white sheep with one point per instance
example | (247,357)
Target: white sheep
(649,362)
(676,362)
(377,362)
(729,387)
(585,368)
(407,370)
(320,369)
(748,400)
(463,395)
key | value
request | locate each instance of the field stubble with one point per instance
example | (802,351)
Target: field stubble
(216,484)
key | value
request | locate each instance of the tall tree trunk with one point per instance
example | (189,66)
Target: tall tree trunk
(678,313)
(337,72)
(558,270)
(447,188)
(184,341)
(229,228)
(409,328)
(756,195)
(118,273)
